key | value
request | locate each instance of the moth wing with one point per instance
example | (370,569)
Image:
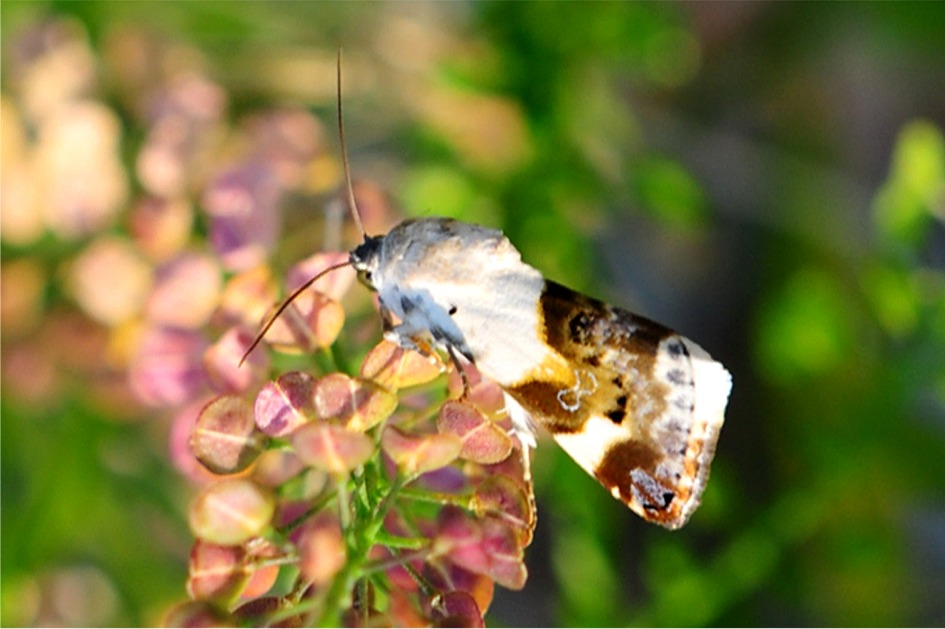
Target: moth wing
(641,410)
(657,458)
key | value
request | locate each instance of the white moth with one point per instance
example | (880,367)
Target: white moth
(636,405)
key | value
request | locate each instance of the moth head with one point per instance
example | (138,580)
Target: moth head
(364,259)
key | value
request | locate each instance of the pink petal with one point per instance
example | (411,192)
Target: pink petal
(231,512)
(167,369)
(321,549)
(186,291)
(334,285)
(418,454)
(390,365)
(222,361)
(483,441)
(216,572)
(359,404)
(332,448)
(284,405)
(225,438)
(457,609)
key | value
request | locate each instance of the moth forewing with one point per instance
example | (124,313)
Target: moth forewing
(638,406)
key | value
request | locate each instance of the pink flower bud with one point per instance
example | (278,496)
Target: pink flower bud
(419,454)
(284,405)
(276,466)
(216,572)
(225,438)
(484,546)
(332,448)
(186,291)
(247,296)
(167,368)
(231,512)
(359,404)
(334,285)
(310,322)
(503,498)
(222,362)
(243,205)
(321,549)
(483,441)
(446,577)
(396,368)
(456,609)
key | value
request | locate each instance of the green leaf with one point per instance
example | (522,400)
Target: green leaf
(915,190)
(806,330)
(669,193)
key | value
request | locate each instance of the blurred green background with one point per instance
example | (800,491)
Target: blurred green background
(768,178)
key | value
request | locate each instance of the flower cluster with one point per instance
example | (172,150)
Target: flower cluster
(343,500)
(338,482)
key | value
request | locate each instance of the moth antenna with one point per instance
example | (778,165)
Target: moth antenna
(352,204)
(285,304)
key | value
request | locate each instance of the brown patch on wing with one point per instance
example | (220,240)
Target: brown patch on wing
(611,348)
(630,471)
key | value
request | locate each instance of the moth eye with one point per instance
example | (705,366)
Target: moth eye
(366,278)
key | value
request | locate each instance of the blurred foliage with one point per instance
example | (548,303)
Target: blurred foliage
(768,178)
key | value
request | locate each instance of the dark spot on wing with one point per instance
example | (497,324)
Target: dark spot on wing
(677,376)
(619,412)
(453,310)
(667,500)
(578,327)
(676,349)
(406,303)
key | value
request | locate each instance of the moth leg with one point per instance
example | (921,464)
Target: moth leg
(462,371)
(405,335)
(529,483)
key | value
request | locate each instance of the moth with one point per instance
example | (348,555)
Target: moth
(635,404)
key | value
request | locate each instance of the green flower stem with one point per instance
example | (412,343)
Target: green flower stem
(327,360)
(399,559)
(285,560)
(339,358)
(394,541)
(364,532)
(320,503)
(344,504)
(422,583)
(462,501)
